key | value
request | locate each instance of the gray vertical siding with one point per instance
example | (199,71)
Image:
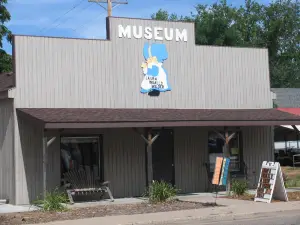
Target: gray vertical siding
(28,161)
(7,184)
(124,162)
(257,147)
(229,78)
(191,152)
(101,73)
(287,97)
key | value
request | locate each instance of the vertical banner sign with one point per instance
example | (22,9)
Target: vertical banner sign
(217,172)
(270,184)
(221,171)
(225,168)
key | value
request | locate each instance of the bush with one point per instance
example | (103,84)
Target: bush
(161,191)
(54,201)
(239,187)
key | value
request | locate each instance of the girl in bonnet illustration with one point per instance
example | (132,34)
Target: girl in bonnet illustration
(155,76)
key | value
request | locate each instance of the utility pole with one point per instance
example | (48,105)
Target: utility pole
(110,4)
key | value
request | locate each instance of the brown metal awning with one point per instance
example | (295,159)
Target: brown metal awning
(68,118)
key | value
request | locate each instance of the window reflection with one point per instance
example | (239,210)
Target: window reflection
(80,153)
(215,148)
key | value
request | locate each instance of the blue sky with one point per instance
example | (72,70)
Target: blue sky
(40,17)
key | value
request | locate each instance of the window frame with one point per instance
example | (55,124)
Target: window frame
(100,149)
(241,148)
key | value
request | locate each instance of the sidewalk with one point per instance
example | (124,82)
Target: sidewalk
(231,208)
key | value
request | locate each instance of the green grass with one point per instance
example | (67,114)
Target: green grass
(54,201)
(289,168)
(291,176)
(293,181)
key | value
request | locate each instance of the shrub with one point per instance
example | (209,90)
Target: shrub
(161,191)
(53,201)
(239,187)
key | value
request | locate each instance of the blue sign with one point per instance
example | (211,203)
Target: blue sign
(225,168)
(155,76)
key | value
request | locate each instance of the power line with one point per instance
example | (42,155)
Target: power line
(67,19)
(70,10)
(76,29)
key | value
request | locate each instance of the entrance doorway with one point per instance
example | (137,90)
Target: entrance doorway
(163,156)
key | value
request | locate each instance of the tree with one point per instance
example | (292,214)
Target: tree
(275,26)
(5,59)
(4,17)
(5,62)
(164,15)
(282,35)
(216,25)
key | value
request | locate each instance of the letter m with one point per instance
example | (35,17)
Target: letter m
(181,36)
(124,32)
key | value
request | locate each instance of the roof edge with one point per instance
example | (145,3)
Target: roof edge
(166,124)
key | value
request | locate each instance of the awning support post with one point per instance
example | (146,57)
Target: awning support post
(51,141)
(44,166)
(297,132)
(295,128)
(46,145)
(149,159)
(149,141)
(226,153)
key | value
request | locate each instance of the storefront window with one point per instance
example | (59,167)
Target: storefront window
(81,153)
(215,148)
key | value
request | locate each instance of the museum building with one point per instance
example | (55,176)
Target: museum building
(144,104)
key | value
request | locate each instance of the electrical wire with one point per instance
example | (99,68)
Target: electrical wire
(76,29)
(70,10)
(69,18)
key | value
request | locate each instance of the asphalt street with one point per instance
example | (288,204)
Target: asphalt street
(279,218)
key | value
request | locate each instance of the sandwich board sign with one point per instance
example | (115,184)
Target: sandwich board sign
(221,171)
(270,184)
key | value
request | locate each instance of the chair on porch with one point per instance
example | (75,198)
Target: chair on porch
(83,182)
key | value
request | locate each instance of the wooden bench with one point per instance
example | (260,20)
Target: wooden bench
(83,182)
